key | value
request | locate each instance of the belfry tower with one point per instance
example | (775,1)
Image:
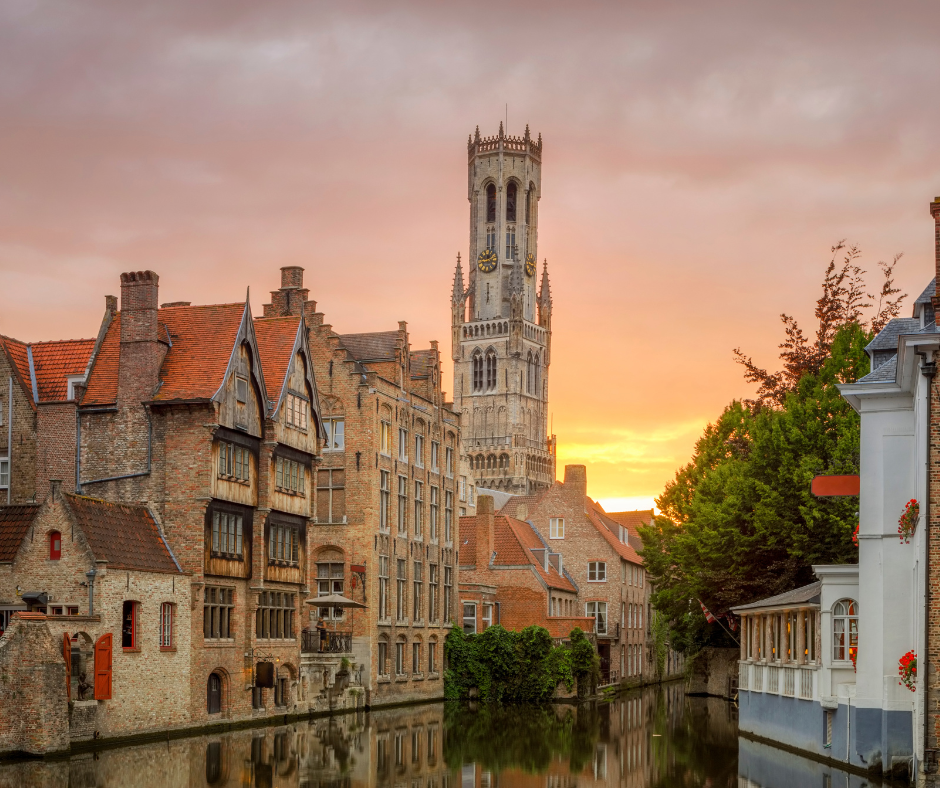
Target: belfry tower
(502,323)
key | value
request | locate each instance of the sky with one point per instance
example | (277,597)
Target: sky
(700,160)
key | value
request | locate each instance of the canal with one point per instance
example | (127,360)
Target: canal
(656,738)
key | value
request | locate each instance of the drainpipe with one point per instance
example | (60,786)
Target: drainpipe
(928,369)
(90,574)
(10,442)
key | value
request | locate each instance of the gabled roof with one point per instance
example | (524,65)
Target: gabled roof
(201,341)
(887,372)
(606,528)
(887,338)
(125,536)
(632,521)
(14,523)
(512,505)
(276,337)
(18,353)
(423,363)
(802,595)
(376,346)
(929,292)
(54,362)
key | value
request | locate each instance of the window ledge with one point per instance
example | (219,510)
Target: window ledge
(168,649)
(433,675)
(131,650)
(417,677)
(383,679)
(384,622)
(401,678)
(219,643)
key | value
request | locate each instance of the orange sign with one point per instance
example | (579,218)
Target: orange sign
(832,486)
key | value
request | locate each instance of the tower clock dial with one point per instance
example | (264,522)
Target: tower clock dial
(530,264)
(487,261)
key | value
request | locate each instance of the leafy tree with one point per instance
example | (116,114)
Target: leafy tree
(738,522)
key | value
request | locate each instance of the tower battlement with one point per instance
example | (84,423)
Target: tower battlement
(477,145)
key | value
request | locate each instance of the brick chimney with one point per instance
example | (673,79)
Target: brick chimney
(142,351)
(575,481)
(486,520)
(291,298)
(935,212)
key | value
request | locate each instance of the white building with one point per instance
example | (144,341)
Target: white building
(798,684)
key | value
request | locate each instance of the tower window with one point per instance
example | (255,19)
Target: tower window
(491,203)
(490,371)
(530,378)
(511,242)
(490,237)
(477,372)
(528,205)
(511,202)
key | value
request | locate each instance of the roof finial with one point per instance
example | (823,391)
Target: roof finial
(501,132)
(476,137)
(527,135)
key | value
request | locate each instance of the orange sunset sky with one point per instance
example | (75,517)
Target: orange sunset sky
(700,160)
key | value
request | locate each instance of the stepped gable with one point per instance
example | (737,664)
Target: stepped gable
(423,363)
(14,523)
(125,536)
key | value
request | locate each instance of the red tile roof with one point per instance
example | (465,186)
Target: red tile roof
(127,537)
(14,523)
(202,337)
(604,529)
(632,520)
(512,505)
(276,337)
(18,355)
(53,362)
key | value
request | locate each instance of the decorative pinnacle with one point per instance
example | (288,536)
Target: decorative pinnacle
(527,135)
(501,132)
(458,294)
(545,288)
(476,137)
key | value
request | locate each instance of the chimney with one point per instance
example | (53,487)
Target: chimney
(935,212)
(139,291)
(110,304)
(486,520)
(575,481)
(291,299)
(142,350)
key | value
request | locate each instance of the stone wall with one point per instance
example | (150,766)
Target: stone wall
(32,681)
(711,670)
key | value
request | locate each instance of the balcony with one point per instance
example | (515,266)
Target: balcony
(785,679)
(332,642)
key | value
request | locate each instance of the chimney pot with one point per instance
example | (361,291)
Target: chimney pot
(292,276)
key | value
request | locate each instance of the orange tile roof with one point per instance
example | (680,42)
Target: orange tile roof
(14,523)
(624,550)
(18,355)
(203,338)
(632,521)
(512,505)
(53,362)
(276,337)
(127,537)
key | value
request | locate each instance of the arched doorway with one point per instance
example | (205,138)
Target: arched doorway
(214,694)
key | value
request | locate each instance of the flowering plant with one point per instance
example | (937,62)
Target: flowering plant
(908,521)
(855,535)
(907,670)
(853,655)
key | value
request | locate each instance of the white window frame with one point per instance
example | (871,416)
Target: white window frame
(419,449)
(465,606)
(435,456)
(556,528)
(595,610)
(449,461)
(402,444)
(330,424)
(597,571)
(487,616)
(385,447)
(4,473)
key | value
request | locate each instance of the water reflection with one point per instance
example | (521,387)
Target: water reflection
(648,739)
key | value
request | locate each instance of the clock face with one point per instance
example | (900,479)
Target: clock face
(487,261)
(530,264)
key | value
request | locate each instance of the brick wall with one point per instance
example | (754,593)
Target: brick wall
(23,460)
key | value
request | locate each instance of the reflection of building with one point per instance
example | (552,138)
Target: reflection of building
(502,327)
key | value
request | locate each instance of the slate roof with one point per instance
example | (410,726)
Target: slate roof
(887,338)
(886,373)
(929,291)
(53,362)
(377,346)
(276,337)
(202,338)
(423,363)
(804,594)
(125,536)
(14,523)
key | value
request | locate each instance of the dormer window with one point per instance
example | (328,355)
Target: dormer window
(295,409)
(241,389)
(73,382)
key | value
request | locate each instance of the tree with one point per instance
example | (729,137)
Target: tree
(738,522)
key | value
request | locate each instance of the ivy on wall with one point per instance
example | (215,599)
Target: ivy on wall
(517,667)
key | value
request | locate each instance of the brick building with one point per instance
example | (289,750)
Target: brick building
(39,383)
(385,530)
(117,602)
(509,575)
(604,566)
(501,324)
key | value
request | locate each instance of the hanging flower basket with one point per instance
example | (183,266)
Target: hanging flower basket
(908,521)
(855,535)
(907,670)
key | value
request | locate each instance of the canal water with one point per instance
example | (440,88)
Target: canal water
(652,738)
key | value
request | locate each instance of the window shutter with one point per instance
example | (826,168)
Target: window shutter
(103,668)
(67,654)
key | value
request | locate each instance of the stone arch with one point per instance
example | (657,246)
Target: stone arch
(218,691)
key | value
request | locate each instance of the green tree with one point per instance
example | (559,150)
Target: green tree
(739,522)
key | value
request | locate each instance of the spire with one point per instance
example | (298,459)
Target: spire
(527,135)
(458,294)
(476,137)
(545,289)
(516,280)
(501,132)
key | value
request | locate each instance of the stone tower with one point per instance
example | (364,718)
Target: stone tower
(502,320)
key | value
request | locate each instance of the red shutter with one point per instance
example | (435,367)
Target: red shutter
(67,655)
(103,668)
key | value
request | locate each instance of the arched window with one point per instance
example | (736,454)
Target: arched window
(490,370)
(477,364)
(511,202)
(510,242)
(491,203)
(845,629)
(536,374)
(529,197)
(55,546)
(491,237)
